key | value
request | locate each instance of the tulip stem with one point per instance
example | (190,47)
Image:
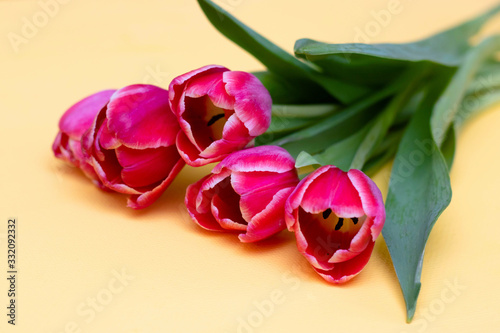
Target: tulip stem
(303,111)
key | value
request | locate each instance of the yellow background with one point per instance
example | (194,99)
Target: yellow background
(74,238)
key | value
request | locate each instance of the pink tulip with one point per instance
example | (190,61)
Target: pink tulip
(75,121)
(219,111)
(245,193)
(336,217)
(131,144)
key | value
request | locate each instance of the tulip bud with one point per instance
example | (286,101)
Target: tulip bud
(245,193)
(131,144)
(336,217)
(219,111)
(75,121)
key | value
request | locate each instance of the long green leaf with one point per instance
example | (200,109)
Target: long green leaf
(473,104)
(342,153)
(345,115)
(419,191)
(448,104)
(321,135)
(446,48)
(383,121)
(486,80)
(377,64)
(276,59)
(286,91)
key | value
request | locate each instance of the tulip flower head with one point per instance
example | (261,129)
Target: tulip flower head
(75,121)
(245,193)
(131,144)
(219,111)
(336,217)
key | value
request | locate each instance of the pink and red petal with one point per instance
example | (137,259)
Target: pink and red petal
(143,167)
(262,158)
(203,217)
(252,100)
(371,199)
(345,271)
(190,154)
(178,85)
(78,118)
(210,85)
(147,198)
(341,195)
(139,117)
(270,220)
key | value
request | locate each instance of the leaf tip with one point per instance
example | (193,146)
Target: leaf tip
(411,303)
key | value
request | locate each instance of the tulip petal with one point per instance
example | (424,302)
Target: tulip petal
(345,271)
(203,219)
(199,114)
(143,167)
(257,189)
(105,138)
(61,149)
(250,182)
(371,199)
(341,195)
(235,137)
(252,100)
(210,85)
(225,203)
(262,158)
(235,131)
(210,187)
(178,84)
(139,117)
(79,117)
(189,152)
(109,174)
(270,220)
(295,199)
(147,198)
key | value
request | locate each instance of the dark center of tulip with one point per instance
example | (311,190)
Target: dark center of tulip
(215,118)
(327,213)
(206,120)
(336,223)
(339,224)
(326,232)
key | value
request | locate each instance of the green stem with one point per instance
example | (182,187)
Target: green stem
(303,111)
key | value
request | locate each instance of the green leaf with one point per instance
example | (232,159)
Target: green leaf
(342,153)
(276,59)
(447,106)
(284,91)
(446,48)
(289,118)
(305,164)
(305,159)
(448,147)
(375,65)
(419,191)
(383,122)
(339,125)
(321,135)
(473,104)
(286,125)
(373,165)
(354,151)
(486,80)
(357,69)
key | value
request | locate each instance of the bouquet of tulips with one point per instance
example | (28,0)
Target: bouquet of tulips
(295,145)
